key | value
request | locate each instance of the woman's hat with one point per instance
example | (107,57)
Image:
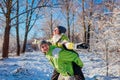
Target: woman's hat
(61,29)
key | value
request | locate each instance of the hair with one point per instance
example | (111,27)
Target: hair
(43,42)
(61,29)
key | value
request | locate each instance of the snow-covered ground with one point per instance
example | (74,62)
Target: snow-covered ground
(34,66)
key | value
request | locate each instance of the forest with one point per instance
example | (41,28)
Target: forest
(94,22)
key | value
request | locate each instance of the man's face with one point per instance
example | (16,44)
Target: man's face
(44,48)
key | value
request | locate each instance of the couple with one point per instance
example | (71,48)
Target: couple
(59,51)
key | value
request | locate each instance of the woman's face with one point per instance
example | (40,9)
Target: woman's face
(44,48)
(56,31)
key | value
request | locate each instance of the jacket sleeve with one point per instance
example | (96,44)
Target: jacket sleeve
(65,42)
(70,56)
(64,37)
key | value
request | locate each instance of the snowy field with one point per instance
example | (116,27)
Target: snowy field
(34,66)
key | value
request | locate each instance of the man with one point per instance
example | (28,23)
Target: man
(62,60)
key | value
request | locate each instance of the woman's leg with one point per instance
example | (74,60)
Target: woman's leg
(78,74)
(55,75)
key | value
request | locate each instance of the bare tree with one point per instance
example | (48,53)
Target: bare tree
(51,23)
(28,22)
(73,29)
(7,13)
(29,15)
(17,29)
(89,22)
(68,17)
(66,9)
(83,23)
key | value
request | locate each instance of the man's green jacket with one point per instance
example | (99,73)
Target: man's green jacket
(62,59)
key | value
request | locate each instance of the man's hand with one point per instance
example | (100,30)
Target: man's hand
(35,41)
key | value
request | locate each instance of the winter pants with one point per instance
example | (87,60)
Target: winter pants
(78,75)
(55,75)
(66,77)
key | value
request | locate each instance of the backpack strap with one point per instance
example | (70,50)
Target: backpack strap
(56,52)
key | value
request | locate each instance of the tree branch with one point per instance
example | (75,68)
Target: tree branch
(3,10)
(30,10)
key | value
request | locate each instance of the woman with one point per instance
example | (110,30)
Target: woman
(62,60)
(60,39)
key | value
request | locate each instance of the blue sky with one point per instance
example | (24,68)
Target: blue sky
(57,15)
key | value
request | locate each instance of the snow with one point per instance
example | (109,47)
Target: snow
(34,66)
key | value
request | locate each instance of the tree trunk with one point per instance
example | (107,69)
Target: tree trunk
(6,40)
(73,36)
(83,23)
(51,24)
(67,13)
(17,30)
(26,29)
(89,24)
(88,35)
(28,22)
(25,41)
(7,30)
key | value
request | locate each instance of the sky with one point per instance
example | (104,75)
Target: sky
(39,23)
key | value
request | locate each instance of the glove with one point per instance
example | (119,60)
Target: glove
(69,45)
(59,44)
(35,41)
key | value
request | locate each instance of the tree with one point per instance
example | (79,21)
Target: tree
(68,16)
(17,29)
(89,22)
(7,13)
(30,14)
(82,18)
(28,22)
(7,8)
(89,15)
(66,9)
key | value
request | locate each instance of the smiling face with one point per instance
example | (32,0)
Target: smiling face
(56,31)
(44,48)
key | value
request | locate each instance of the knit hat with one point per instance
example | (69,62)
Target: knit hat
(43,42)
(61,29)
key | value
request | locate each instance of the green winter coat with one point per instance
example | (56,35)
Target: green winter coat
(59,39)
(62,59)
